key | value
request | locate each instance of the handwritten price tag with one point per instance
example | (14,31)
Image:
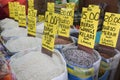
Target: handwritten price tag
(32,22)
(110,29)
(88,27)
(49,31)
(22,16)
(65,21)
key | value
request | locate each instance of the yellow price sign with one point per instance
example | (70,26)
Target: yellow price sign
(50,7)
(16,9)
(22,16)
(48,38)
(11,9)
(32,22)
(88,27)
(31,4)
(110,31)
(41,18)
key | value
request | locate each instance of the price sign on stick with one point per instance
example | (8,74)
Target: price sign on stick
(88,27)
(32,22)
(48,38)
(22,16)
(65,21)
(110,29)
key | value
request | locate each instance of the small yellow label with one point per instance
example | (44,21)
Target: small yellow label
(32,22)
(50,7)
(110,29)
(88,27)
(22,16)
(31,4)
(41,18)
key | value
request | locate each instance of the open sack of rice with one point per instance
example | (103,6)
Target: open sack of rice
(8,24)
(22,43)
(13,33)
(35,65)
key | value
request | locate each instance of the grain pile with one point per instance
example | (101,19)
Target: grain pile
(37,66)
(22,43)
(79,57)
(15,32)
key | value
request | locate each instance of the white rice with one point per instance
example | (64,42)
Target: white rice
(15,32)
(37,66)
(22,43)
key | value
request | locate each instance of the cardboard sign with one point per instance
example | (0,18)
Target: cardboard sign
(65,21)
(22,16)
(49,31)
(32,22)
(50,7)
(110,29)
(88,27)
(31,4)
(41,18)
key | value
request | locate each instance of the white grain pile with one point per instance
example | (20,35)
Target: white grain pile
(37,66)
(22,43)
(8,24)
(15,32)
(4,21)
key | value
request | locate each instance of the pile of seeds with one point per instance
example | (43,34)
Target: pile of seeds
(79,57)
